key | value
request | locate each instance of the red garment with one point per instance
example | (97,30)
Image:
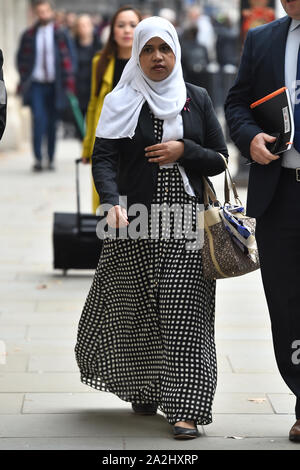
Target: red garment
(255,17)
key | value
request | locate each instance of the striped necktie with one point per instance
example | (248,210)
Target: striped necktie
(297,107)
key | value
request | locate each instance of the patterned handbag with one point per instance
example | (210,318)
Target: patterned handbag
(229,248)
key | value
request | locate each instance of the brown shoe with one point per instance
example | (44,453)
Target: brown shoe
(295,432)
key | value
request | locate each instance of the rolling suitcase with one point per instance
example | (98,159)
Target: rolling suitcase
(75,242)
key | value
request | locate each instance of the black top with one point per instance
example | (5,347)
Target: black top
(120,166)
(119,67)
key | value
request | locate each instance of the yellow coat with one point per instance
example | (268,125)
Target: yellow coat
(94,111)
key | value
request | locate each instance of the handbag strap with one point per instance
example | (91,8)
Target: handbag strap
(209,193)
(226,185)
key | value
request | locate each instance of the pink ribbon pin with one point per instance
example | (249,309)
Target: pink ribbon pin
(186,106)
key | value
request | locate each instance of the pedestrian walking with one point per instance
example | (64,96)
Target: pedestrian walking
(146,332)
(3,98)
(271,60)
(46,74)
(195,18)
(107,68)
(194,58)
(87,44)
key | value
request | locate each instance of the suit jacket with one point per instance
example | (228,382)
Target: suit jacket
(120,167)
(261,72)
(65,65)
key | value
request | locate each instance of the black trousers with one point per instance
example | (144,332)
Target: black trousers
(278,240)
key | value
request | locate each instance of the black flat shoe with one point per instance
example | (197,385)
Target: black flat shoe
(185,433)
(144,408)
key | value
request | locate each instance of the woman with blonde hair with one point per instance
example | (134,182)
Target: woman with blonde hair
(107,68)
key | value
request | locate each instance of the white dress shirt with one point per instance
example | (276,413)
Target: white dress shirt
(291,158)
(44,36)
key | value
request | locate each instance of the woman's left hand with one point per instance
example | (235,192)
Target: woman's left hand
(166,152)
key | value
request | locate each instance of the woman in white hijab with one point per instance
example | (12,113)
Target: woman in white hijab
(146,332)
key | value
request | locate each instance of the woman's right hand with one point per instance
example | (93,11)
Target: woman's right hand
(85,160)
(117,217)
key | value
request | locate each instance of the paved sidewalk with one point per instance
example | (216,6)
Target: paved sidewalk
(43,404)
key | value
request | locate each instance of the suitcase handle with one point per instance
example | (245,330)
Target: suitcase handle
(77,161)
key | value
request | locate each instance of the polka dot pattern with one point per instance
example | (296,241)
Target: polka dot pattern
(158,126)
(146,332)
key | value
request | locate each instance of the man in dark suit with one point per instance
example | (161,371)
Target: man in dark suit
(3,98)
(44,62)
(271,60)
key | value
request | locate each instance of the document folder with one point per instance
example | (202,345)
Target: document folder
(274,114)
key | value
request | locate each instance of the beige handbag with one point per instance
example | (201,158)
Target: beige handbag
(229,248)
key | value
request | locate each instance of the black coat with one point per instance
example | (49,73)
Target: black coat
(3,98)
(120,167)
(65,65)
(261,72)
(84,55)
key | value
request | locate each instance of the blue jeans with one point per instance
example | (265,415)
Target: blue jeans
(44,118)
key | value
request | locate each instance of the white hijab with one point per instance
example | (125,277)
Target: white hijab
(166,98)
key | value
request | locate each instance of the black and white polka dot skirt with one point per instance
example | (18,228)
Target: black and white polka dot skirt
(146,332)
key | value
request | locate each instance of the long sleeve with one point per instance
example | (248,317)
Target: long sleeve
(105,168)
(19,56)
(206,159)
(242,125)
